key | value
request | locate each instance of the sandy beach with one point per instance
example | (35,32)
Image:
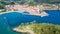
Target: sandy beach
(23,31)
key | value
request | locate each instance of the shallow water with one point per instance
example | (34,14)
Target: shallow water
(14,19)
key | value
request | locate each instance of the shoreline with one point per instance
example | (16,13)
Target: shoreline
(41,14)
(23,31)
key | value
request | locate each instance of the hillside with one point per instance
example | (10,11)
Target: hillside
(40,28)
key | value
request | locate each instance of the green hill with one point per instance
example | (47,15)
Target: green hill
(41,28)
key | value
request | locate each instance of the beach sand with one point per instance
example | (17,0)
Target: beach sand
(23,31)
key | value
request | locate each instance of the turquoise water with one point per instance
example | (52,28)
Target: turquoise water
(5,28)
(14,19)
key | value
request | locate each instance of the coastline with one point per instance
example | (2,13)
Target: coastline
(23,31)
(37,29)
(41,14)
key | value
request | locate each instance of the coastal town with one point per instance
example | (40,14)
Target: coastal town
(37,11)
(33,10)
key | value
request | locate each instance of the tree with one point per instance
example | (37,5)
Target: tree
(1,6)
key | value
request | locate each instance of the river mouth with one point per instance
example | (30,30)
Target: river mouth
(15,19)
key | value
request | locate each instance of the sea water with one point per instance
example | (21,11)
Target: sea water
(14,19)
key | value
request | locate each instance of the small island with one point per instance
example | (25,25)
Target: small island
(36,28)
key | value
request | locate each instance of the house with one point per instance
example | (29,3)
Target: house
(17,7)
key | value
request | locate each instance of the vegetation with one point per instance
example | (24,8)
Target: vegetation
(3,10)
(1,6)
(41,28)
(28,2)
